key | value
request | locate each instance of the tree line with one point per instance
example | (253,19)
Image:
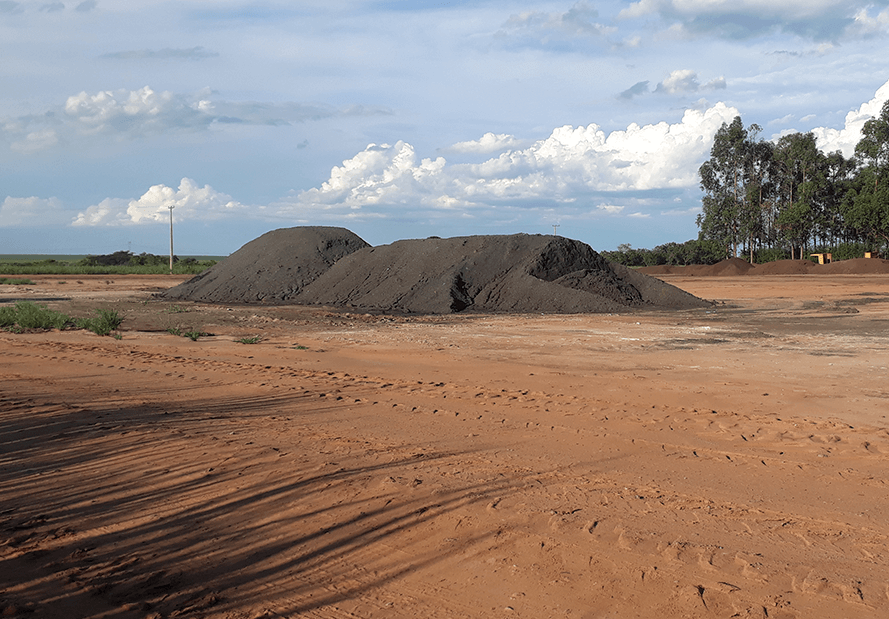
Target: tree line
(788,197)
(127,258)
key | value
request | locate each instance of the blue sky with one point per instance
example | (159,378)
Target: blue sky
(403,119)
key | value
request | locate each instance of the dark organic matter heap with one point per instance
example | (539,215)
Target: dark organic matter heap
(518,273)
(273,268)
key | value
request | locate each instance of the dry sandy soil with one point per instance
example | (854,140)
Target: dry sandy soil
(728,462)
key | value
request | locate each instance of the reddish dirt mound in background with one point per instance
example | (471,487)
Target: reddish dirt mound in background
(730,266)
(738,266)
(856,266)
(786,267)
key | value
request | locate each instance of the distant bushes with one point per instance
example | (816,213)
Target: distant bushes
(711,252)
(126,258)
(118,263)
(842,251)
(673,254)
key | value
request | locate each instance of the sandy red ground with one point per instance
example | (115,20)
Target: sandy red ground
(728,462)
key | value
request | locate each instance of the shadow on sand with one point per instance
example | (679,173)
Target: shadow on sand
(235,506)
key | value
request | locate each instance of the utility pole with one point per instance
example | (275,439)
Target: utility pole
(171,238)
(554,229)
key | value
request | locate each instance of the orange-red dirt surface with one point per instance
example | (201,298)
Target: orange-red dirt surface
(723,462)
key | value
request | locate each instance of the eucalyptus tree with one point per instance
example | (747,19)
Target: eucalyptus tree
(723,183)
(839,174)
(873,148)
(759,174)
(867,206)
(798,160)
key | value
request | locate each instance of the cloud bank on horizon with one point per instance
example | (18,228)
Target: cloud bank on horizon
(504,116)
(572,162)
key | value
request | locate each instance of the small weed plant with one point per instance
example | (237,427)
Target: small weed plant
(103,323)
(176,309)
(193,335)
(250,340)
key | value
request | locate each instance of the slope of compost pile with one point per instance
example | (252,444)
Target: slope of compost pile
(516,273)
(273,268)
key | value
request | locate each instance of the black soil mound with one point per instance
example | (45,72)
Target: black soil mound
(273,268)
(517,273)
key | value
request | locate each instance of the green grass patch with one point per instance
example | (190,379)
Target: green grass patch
(28,315)
(256,339)
(16,281)
(7,317)
(119,263)
(74,269)
(25,316)
(103,323)
(19,258)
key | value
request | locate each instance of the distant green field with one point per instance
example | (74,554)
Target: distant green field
(58,264)
(18,258)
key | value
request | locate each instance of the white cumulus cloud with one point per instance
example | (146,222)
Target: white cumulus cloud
(681,80)
(686,81)
(136,112)
(845,139)
(562,168)
(487,144)
(380,174)
(133,114)
(189,201)
(32,211)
